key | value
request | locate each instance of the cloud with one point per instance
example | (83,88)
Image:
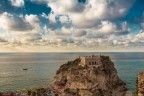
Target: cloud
(127,40)
(80,33)
(33,20)
(107,28)
(19,28)
(89,24)
(37,30)
(11,22)
(92,12)
(142,24)
(17,3)
(31,28)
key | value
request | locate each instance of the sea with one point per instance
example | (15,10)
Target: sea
(41,68)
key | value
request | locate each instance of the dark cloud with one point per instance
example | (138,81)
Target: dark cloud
(3,40)
(14,23)
(18,24)
(80,33)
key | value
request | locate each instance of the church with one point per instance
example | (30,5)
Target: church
(90,61)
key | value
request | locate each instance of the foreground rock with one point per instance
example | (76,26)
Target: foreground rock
(40,91)
(140,84)
(89,76)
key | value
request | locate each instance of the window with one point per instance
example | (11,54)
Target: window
(95,62)
(89,63)
(92,63)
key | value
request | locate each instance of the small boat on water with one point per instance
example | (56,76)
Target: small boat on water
(25,69)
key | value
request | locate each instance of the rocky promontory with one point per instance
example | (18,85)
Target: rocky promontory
(140,84)
(91,76)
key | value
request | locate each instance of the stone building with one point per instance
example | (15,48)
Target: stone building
(90,61)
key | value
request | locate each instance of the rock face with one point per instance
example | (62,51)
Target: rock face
(140,84)
(76,80)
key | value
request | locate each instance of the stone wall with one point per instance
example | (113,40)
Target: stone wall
(90,61)
(78,85)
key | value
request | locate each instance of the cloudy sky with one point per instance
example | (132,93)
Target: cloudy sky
(71,25)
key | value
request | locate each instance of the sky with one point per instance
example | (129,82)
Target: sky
(71,25)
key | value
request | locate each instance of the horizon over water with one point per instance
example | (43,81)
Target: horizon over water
(43,66)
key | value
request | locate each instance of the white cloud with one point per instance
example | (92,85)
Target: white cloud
(107,28)
(32,19)
(92,20)
(89,25)
(65,35)
(125,27)
(63,18)
(91,13)
(11,22)
(17,3)
(30,28)
(21,28)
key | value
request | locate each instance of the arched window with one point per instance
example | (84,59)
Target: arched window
(92,63)
(95,63)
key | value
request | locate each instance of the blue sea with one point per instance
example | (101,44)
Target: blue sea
(42,67)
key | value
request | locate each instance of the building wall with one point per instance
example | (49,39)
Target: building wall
(82,61)
(90,61)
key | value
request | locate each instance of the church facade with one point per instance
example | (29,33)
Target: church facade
(90,61)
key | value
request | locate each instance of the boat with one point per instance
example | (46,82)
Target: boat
(25,69)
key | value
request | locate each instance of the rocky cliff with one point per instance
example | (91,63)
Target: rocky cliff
(76,80)
(140,84)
